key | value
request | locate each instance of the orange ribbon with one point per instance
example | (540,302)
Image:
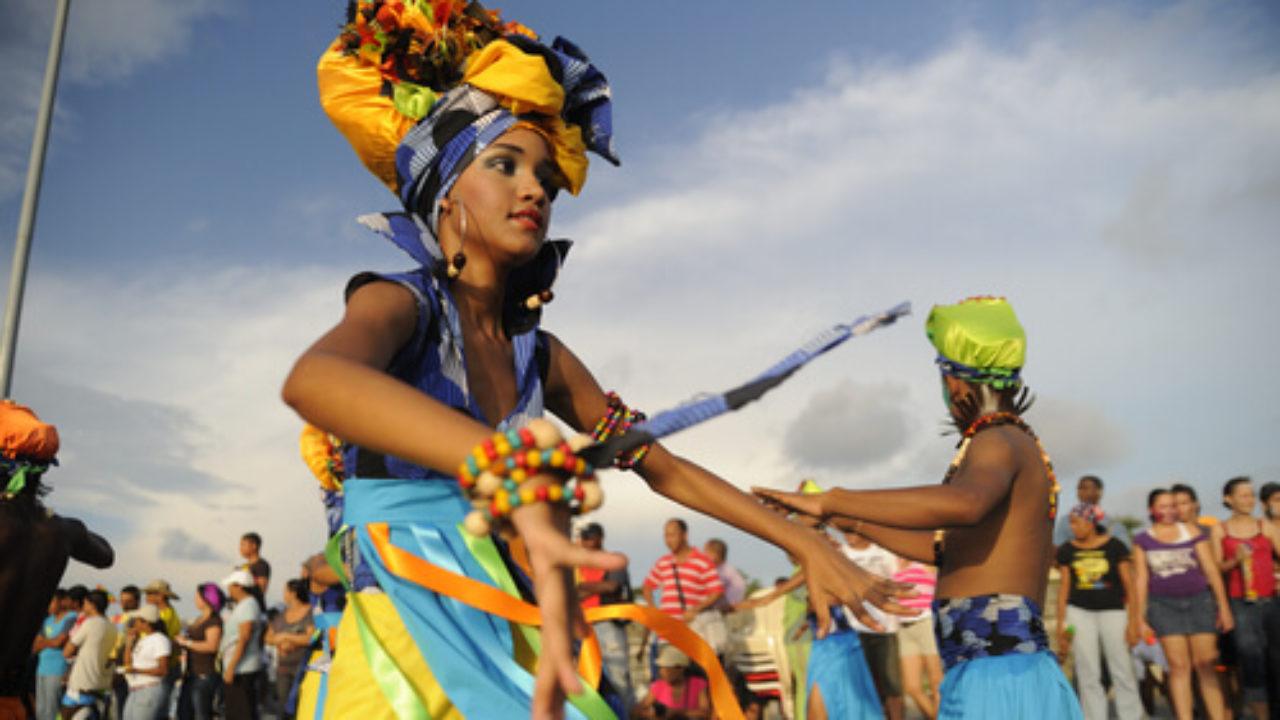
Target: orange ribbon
(494,601)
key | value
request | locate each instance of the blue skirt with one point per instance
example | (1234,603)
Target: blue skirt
(839,669)
(1018,685)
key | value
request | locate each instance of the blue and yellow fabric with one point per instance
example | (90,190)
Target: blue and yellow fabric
(307,698)
(419,88)
(997,659)
(436,624)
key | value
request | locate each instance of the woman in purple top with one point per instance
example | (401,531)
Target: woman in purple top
(1181,596)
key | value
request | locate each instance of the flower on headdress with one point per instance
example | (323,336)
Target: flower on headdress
(322,452)
(397,61)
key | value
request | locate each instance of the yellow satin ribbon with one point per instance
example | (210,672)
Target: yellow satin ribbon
(490,599)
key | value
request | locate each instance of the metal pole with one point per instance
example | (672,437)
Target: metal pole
(30,198)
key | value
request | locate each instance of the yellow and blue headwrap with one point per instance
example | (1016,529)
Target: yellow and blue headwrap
(979,340)
(420,87)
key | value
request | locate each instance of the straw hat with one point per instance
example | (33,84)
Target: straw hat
(160,587)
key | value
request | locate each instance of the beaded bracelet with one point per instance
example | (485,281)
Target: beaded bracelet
(617,420)
(493,474)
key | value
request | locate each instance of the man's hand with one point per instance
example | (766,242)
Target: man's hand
(833,579)
(552,557)
(229,675)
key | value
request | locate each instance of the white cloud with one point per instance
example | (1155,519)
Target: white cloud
(176,544)
(175,441)
(850,425)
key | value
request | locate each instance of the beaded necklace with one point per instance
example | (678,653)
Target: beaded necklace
(991,420)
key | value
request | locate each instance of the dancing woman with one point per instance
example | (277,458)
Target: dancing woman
(426,364)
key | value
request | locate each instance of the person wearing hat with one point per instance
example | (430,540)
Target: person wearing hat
(1089,489)
(35,546)
(988,526)
(158,593)
(146,663)
(675,694)
(437,378)
(242,657)
(1097,576)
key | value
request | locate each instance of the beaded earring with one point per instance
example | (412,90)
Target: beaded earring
(458,260)
(544,296)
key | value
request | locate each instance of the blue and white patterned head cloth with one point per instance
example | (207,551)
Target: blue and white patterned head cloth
(465,120)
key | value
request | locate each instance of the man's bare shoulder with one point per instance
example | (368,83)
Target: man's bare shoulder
(995,450)
(1009,444)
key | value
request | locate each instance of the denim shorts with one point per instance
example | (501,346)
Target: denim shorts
(1191,615)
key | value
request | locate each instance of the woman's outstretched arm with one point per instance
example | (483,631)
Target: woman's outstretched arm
(573,394)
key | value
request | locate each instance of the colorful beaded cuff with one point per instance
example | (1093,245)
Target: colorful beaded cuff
(494,475)
(617,420)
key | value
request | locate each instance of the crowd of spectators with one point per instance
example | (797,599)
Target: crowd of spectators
(1186,609)
(235,659)
(1179,607)
(1176,610)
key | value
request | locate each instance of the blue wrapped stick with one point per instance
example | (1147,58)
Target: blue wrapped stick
(699,410)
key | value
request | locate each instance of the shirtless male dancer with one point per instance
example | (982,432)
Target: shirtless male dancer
(34,547)
(988,527)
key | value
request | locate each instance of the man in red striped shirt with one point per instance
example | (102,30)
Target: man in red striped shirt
(686,580)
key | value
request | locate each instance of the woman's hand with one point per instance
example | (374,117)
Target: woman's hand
(833,579)
(809,504)
(1225,623)
(1132,634)
(552,557)
(1147,631)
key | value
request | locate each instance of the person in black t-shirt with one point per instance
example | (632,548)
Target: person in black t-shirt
(1096,573)
(250,547)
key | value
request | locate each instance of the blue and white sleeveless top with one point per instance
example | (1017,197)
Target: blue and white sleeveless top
(434,359)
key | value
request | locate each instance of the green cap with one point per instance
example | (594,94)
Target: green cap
(979,334)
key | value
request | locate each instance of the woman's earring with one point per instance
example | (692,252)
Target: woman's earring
(542,297)
(538,299)
(458,261)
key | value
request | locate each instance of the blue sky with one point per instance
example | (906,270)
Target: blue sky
(1112,168)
